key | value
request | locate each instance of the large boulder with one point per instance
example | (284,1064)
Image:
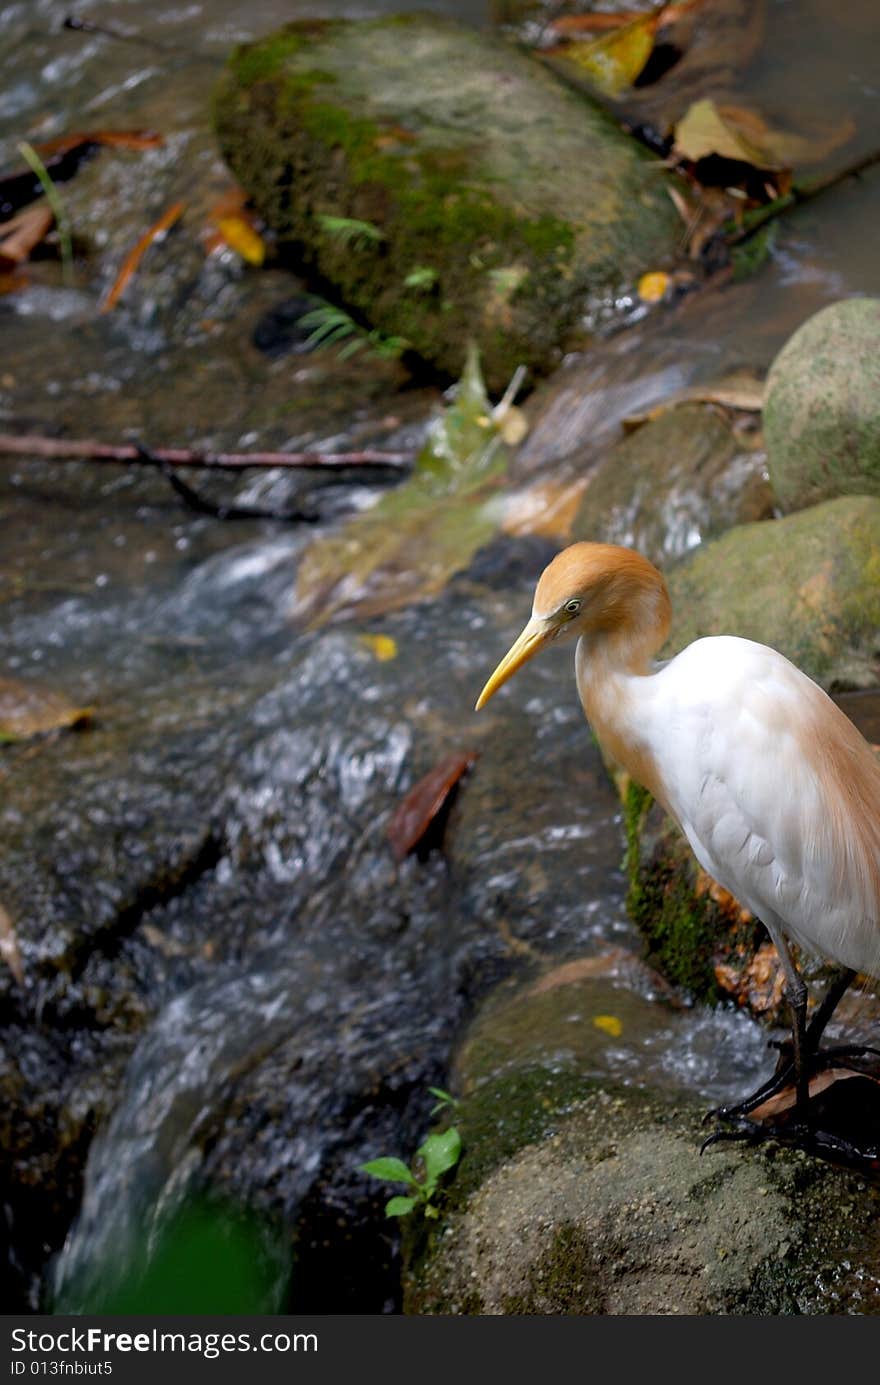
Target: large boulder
(806,584)
(578,1195)
(447,186)
(822,412)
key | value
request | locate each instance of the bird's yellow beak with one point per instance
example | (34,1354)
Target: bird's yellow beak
(533,638)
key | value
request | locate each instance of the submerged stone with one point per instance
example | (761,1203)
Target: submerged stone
(446,185)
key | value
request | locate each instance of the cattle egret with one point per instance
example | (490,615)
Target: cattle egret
(776,791)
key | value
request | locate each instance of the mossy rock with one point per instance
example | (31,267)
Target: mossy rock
(578,1196)
(510,203)
(822,411)
(695,933)
(808,584)
(676,481)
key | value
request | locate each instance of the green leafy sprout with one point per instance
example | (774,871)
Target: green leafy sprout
(330,325)
(359,235)
(53,197)
(423,278)
(445,1100)
(435,1156)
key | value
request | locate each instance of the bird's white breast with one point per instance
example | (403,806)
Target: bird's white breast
(727,723)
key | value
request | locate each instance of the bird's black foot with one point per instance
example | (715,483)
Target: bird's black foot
(839,1120)
(781,1084)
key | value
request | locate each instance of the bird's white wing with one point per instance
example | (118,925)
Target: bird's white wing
(777,792)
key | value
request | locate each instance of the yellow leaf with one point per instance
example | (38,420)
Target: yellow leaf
(609,1024)
(382,646)
(652,287)
(241,237)
(614,61)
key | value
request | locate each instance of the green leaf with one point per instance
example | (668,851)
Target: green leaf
(399,1206)
(423,277)
(349,231)
(392,1170)
(440,1152)
(444,1099)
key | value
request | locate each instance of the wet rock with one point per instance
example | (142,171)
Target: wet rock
(480,197)
(676,481)
(201,885)
(576,1195)
(822,413)
(806,584)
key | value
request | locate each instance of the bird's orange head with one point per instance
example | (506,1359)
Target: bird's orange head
(596,590)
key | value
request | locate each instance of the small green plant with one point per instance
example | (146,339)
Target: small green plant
(330,324)
(435,1156)
(53,197)
(359,235)
(445,1100)
(423,278)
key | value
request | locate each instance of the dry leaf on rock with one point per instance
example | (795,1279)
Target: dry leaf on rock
(733,132)
(418,810)
(23,232)
(741,392)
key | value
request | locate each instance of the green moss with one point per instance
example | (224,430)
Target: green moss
(636,804)
(675,925)
(754,253)
(472,194)
(548,236)
(257,62)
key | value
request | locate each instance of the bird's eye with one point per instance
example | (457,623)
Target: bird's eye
(573,606)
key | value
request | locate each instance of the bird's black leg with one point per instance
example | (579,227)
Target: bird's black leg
(795,1066)
(830,1001)
(796,994)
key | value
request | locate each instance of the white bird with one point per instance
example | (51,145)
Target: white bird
(776,791)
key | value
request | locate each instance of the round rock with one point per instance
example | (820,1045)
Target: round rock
(822,410)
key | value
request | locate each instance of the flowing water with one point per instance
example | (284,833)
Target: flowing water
(228,977)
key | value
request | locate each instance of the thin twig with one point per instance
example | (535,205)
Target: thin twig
(90,450)
(216,509)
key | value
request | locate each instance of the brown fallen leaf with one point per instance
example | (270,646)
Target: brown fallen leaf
(417,811)
(785,1100)
(27,710)
(9,949)
(11,283)
(136,254)
(740,392)
(547,507)
(115,139)
(62,158)
(23,232)
(734,132)
(598,21)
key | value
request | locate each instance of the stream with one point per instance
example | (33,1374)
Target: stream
(231,985)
